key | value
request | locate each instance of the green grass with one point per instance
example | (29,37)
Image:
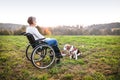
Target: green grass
(100,59)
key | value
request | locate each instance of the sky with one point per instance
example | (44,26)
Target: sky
(60,12)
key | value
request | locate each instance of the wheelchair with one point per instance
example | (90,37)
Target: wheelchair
(39,52)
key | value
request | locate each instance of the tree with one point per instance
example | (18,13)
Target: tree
(44,31)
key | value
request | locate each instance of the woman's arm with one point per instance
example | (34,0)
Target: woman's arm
(37,34)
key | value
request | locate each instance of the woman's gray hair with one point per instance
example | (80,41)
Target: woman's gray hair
(31,19)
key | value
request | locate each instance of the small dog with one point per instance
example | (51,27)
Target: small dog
(73,51)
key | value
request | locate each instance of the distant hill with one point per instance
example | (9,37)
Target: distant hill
(110,28)
(10,26)
(11,29)
(104,26)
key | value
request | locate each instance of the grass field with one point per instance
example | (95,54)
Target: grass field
(100,59)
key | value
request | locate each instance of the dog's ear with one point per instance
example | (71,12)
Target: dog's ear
(67,47)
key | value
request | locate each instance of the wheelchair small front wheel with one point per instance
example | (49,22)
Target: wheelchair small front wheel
(43,56)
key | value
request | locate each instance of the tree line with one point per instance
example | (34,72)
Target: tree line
(96,29)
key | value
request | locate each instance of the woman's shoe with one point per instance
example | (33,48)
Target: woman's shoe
(58,61)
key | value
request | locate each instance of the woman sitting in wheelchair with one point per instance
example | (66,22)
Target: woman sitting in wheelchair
(51,42)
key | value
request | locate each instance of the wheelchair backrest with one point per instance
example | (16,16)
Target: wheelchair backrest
(30,38)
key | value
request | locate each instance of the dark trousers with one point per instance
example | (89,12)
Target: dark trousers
(57,51)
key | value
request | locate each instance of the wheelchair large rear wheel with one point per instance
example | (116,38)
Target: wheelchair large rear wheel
(43,56)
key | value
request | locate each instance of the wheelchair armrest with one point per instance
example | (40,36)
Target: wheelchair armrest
(41,39)
(22,33)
